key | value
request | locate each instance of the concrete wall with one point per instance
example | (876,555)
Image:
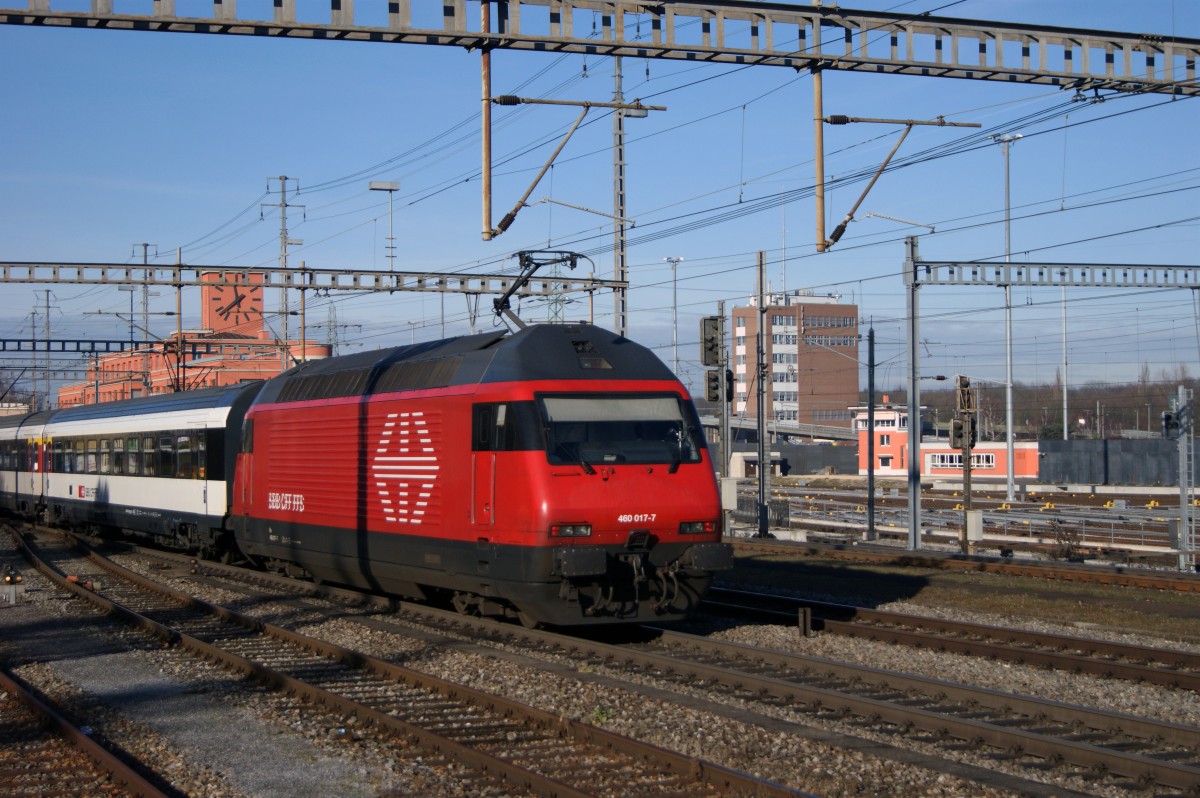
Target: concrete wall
(802,460)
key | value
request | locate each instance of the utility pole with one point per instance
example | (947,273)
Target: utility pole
(46,324)
(284,242)
(914,394)
(674,312)
(764,374)
(1006,142)
(1179,423)
(33,397)
(871,433)
(619,263)
(146,294)
(391,188)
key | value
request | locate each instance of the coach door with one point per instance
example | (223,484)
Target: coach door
(242,477)
(40,455)
(483,487)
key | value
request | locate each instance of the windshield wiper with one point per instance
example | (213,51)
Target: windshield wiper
(578,457)
(676,451)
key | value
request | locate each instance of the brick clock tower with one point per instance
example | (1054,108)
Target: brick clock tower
(235,308)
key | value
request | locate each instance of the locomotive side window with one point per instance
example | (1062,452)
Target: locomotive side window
(587,429)
(505,427)
(248,437)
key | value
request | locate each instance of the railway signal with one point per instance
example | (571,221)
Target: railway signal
(712,385)
(710,341)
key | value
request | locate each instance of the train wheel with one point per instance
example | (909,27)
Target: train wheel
(465,604)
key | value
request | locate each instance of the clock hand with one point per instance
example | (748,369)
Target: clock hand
(225,311)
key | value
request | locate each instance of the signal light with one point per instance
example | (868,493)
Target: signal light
(710,341)
(1170,424)
(712,385)
(956,433)
(963,430)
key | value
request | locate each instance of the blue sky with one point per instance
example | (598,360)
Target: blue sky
(115,138)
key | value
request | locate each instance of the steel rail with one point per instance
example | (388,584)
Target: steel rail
(745,679)
(1160,666)
(104,760)
(1145,769)
(1105,574)
(725,780)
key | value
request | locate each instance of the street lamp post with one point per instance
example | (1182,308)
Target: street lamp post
(674,310)
(390,188)
(1005,143)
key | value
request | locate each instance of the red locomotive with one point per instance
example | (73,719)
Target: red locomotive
(557,474)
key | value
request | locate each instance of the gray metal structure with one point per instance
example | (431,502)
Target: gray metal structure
(307,278)
(772,34)
(918,273)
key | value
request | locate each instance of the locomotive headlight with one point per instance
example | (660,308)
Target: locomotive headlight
(697,527)
(571,530)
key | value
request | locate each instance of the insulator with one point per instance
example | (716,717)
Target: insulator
(507,99)
(838,119)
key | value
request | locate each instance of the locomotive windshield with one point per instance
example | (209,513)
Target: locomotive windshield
(605,429)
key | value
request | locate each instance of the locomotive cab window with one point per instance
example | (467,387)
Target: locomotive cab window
(505,427)
(603,429)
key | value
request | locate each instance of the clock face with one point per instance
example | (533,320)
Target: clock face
(234,305)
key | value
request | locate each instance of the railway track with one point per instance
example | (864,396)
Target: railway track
(1129,526)
(1107,748)
(505,742)
(42,753)
(1094,574)
(1106,659)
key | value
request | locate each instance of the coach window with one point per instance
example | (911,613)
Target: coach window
(185,461)
(105,456)
(80,456)
(202,437)
(93,464)
(57,460)
(133,457)
(118,456)
(166,455)
(148,456)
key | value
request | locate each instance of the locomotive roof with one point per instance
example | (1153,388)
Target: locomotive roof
(539,352)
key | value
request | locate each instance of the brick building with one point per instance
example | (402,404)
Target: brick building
(233,345)
(811,345)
